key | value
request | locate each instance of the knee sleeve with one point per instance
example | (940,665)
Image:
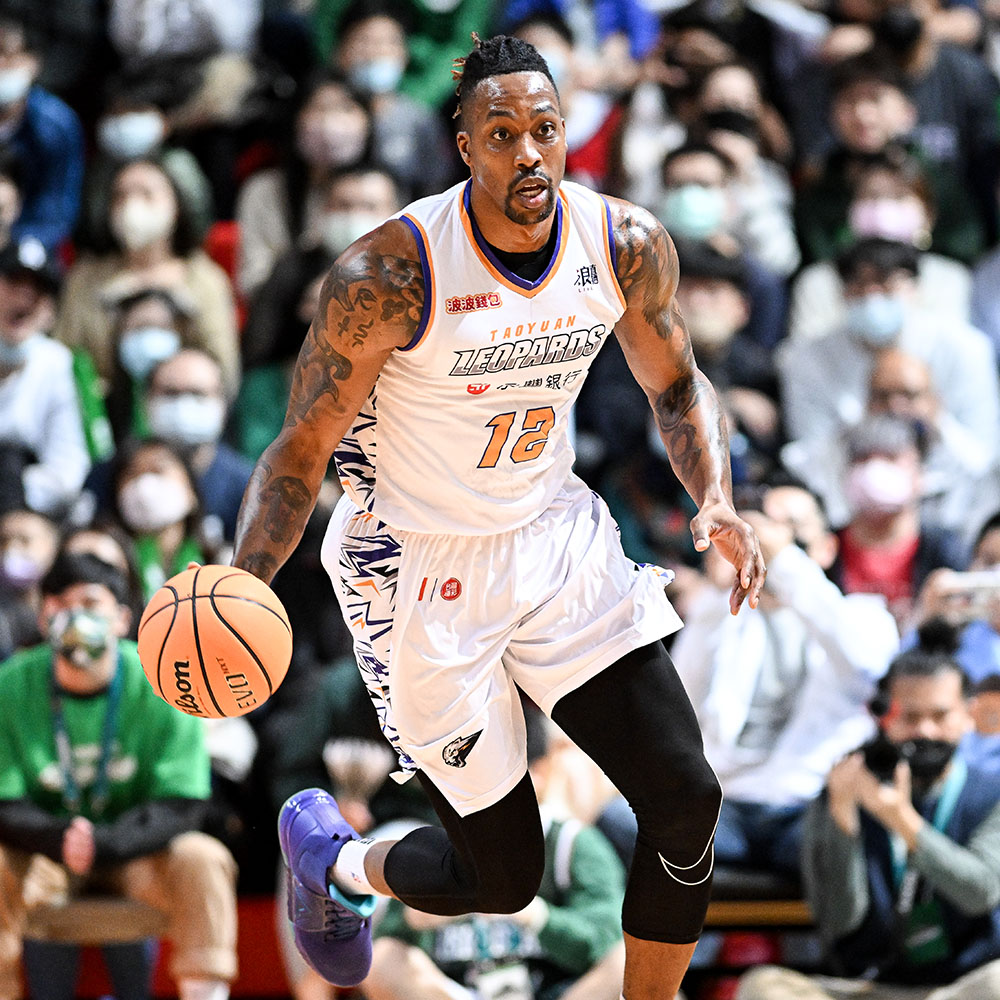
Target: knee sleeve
(635,720)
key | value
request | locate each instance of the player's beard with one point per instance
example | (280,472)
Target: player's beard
(523,218)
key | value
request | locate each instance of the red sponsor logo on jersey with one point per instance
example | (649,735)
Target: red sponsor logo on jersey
(477,388)
(451,589)
(458,304)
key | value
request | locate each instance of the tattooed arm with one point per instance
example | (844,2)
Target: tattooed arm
(687,411)
(370,304)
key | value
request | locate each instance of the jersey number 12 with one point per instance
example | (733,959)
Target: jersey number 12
(535,430)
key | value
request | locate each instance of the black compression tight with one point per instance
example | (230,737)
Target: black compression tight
(634,719)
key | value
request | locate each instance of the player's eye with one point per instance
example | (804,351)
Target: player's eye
(547,129)
(500,134)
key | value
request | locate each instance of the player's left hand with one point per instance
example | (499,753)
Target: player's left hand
(719,525)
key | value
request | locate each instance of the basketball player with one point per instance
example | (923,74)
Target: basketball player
(440,371)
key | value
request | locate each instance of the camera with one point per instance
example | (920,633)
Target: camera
(881,755)
(972,595)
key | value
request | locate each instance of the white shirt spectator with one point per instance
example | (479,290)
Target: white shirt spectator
(40,410)
(827,649)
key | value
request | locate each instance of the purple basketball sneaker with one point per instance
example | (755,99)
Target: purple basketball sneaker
(332,928)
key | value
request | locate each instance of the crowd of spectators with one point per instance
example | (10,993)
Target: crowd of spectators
(176,177)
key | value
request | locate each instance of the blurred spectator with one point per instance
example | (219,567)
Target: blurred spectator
(886,547)
(711,294)
(45,135)
(593,118)
(970,600)
(156,500)
(102,785)
(186,407)
(439,32)
(760,191)
(408,137)
(890,198)
(824,381)
(28,546)
(44,456)
(781,691)
(698,203)
(872,112)
(149,327)
(959,484)
(901,860)
(565,943)
(154,246)
(278,206)
(133,124)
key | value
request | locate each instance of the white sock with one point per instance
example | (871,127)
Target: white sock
(348,872)
(203,989)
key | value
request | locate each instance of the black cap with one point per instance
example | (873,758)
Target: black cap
(28,256)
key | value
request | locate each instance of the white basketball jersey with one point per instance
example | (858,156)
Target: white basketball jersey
(466,429)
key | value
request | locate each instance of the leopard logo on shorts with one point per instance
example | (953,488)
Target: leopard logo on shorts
(457,750)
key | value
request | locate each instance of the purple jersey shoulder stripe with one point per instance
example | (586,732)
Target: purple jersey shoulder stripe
(428,285)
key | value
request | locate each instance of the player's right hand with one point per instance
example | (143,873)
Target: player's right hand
(719,525)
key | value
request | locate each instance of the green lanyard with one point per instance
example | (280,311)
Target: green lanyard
(943,811)
(149,558)
(101,789)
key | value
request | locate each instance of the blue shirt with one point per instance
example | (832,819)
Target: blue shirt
(49,144)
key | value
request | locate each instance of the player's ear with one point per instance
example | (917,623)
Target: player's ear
(462,139)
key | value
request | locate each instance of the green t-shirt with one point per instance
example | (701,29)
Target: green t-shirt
(157,752)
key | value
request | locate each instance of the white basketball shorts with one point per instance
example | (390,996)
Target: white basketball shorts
(444,625)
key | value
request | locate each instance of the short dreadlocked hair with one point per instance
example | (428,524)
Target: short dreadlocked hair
(494,57)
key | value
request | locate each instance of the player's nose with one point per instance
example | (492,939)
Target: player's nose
(526,153)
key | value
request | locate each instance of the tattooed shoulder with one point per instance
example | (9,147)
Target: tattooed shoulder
(647,264)
(378,280)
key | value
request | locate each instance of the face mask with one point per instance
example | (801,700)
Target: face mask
(81,636)
(709,329)
(875,319)
(878,486)
(899,29)
(13,355)
(19,571)
(376,76)
(137,223)
(151,502)
(142,349)
(892,219)
(928,760)
(135,133)
(186,419)
(340,229)
(558,66)
(693,211)
(14,85)
(325,142)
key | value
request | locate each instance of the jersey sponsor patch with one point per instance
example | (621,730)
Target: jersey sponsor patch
(477,388)
(451,589)
(455,753)
(472,303)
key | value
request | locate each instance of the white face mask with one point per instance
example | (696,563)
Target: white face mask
(376,76)
(338,230)
(152,501)
(186,419)
(329,141)
(135,133)
(878,486)
(14,85)
(137,223)
(143,348)
(710,329)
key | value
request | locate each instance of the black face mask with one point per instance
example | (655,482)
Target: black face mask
(927,759)
(898,29)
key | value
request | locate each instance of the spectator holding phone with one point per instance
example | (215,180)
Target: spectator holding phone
(902,867)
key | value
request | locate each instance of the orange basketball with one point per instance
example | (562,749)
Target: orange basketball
(215,641)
